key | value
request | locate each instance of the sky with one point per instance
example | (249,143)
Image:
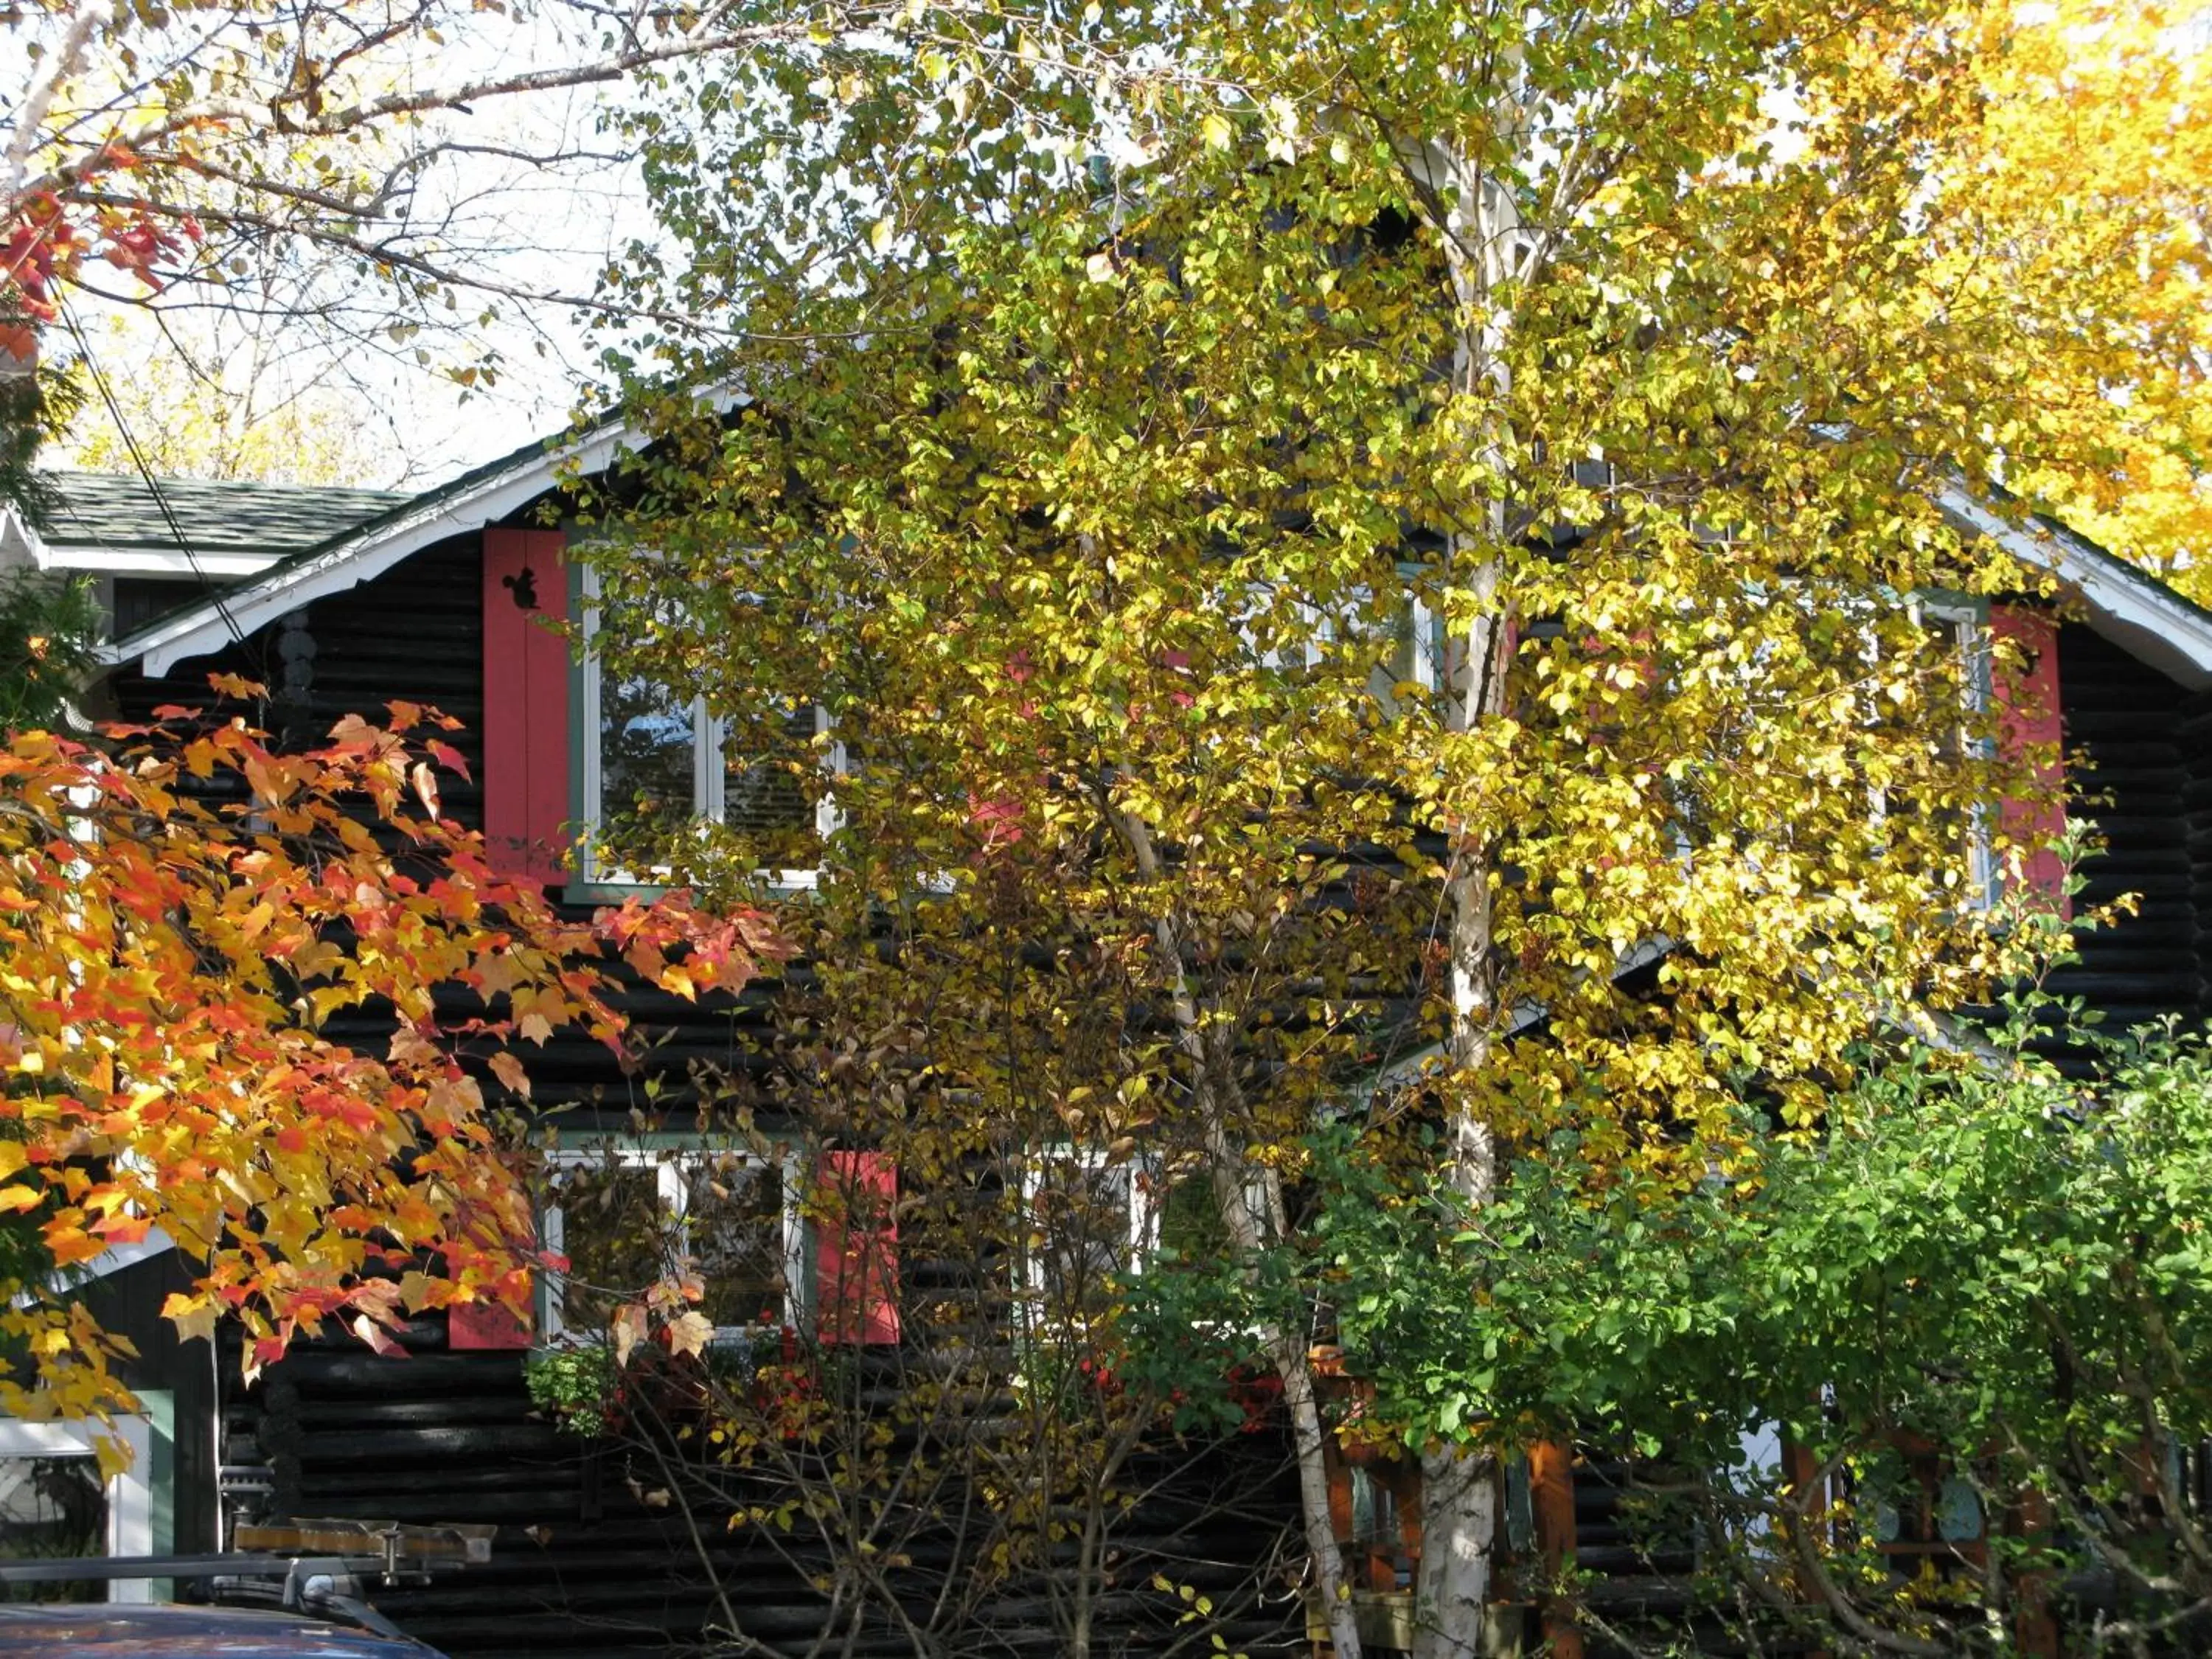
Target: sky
(361,407)
(355,405)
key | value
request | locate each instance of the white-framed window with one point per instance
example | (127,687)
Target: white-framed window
(1962,625)
(1403,646)
(647,753)
(53,1501)
(628,1216)
(1086,1220)
(1089,1218)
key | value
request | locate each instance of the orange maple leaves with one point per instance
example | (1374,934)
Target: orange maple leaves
(271,1004)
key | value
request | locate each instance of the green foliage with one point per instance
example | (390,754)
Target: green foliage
(579,1388)
(48,628)
(1982,1254)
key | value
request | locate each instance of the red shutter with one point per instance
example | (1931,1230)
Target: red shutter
(2029,717)
(478,1325)
(525,725)
(856,1249)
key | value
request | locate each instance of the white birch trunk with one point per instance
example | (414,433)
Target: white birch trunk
(1459,1488)
(64,60)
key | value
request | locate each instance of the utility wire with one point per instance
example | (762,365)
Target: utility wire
(146,473)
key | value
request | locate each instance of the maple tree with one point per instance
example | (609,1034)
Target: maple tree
(255,1000)
(165,146)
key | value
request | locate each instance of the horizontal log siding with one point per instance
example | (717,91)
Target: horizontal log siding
(2195,732)
(2129,774)
(413,633)
(582,1565)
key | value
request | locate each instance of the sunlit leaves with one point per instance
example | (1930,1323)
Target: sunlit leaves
(237,985)
(1132,522)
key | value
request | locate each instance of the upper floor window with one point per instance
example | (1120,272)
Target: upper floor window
(651,759)
(1960,630)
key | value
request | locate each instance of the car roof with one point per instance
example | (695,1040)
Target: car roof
(117,1630)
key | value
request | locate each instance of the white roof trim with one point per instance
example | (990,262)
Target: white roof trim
(367,553)
(23,547)
(2132,609)
(24,550)
(154,560)
(112,1260)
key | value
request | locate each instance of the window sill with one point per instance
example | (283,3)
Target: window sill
(757,1344)
(615,888)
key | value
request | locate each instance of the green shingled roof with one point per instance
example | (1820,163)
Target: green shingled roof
(93,509)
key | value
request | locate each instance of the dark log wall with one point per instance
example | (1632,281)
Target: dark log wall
(412,633)
(2145,787)
(2194,733)
(580,1565)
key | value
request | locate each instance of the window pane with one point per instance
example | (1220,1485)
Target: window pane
(1081,1217)
(52,1507)
(614,1234)
(646,752)
(1190,1224)
(766,797)
(733,1220)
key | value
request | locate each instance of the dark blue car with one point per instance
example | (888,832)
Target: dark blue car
(121,1630)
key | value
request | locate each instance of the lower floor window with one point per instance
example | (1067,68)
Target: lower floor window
(1091,1221)
(54,1505)
(627,1218)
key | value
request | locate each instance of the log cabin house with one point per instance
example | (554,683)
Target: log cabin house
(439,598)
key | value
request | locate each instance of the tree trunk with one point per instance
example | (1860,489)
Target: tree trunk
(1252,1225)
(1459,1501)
(1459,1486)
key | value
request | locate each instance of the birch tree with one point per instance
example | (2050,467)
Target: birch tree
(1491,443)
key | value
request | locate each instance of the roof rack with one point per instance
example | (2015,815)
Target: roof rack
(314,1567)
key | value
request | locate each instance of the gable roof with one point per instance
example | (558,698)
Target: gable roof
(2133,609)
(2149,620)
(104,522)
(481,496)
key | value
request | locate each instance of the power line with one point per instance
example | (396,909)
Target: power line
(146,473)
